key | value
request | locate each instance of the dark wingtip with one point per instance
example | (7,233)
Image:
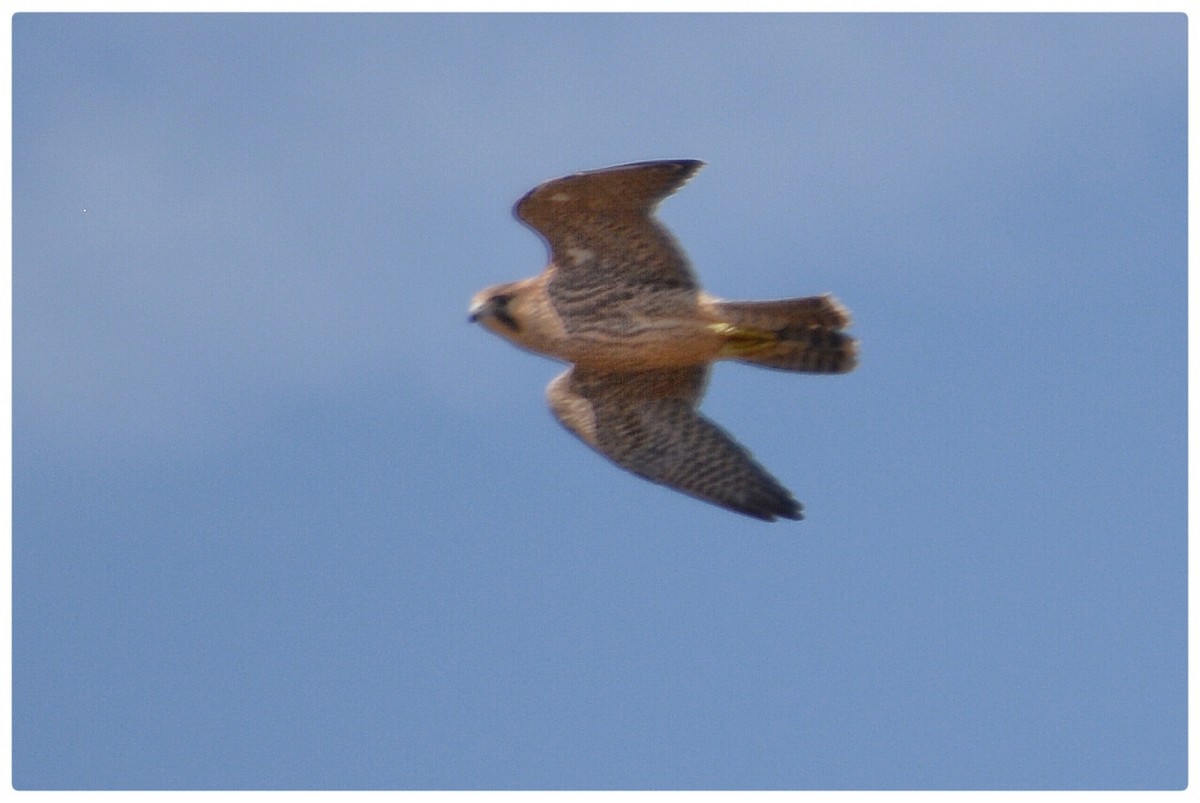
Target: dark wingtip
(773,509)
(794,512)
(679,164)
(780,503)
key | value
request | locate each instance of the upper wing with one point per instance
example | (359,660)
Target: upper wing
(601,229)
(647,423)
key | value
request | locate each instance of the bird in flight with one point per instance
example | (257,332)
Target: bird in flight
(620,303)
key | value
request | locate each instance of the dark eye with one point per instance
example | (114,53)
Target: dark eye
(500,311)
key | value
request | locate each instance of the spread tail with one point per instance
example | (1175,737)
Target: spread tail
(795,334)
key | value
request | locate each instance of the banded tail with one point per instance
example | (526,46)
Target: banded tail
(794,334)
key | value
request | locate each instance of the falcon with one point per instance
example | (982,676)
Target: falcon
(619,302)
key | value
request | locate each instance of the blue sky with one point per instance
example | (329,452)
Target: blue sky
(283,519)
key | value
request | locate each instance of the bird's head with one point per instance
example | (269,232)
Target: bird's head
(498,308)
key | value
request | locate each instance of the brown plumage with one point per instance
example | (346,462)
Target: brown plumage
(619,301)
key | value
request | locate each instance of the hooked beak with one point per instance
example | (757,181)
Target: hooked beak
(493,307)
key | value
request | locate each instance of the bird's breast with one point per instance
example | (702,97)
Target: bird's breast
(639,344)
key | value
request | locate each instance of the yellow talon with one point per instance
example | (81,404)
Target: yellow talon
(742,340)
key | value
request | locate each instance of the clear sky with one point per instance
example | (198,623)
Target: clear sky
(284,519)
